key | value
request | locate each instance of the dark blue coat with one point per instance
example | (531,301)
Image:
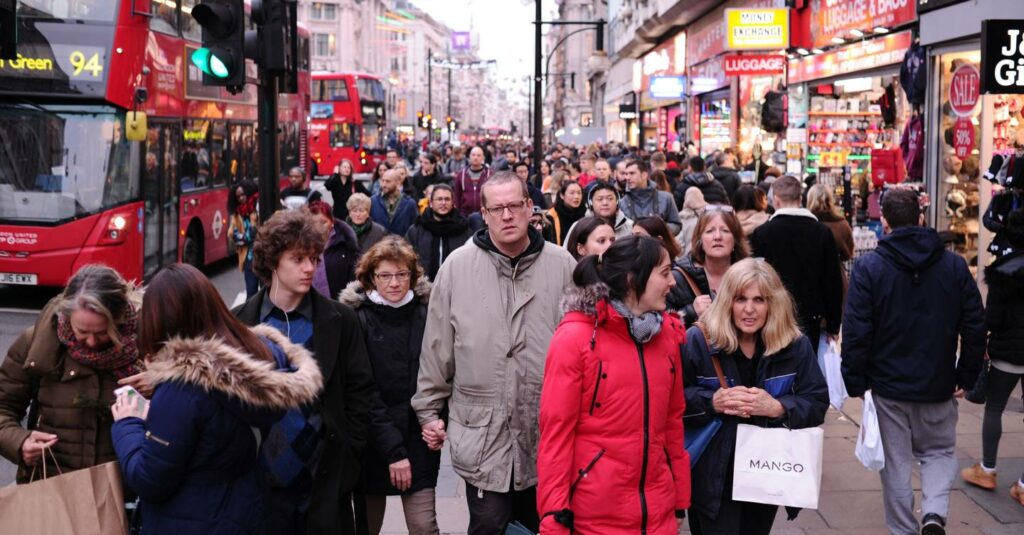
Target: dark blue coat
(910,305)
(194,461)
(404,217)
(791,376)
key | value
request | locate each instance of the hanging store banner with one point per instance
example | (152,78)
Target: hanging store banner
(862,56)
(1002,56)
(837,18)
(754,65)
(757,29)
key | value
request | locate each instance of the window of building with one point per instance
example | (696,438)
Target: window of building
(323,44)
(322,11)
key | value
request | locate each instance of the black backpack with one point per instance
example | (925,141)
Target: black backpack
(773,111)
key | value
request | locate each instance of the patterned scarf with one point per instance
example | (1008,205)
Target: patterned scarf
(124,360)
(642,327)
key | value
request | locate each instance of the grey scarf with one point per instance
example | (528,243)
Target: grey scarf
(642,327)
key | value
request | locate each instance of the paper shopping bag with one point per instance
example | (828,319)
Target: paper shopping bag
(89,501)
(778,466)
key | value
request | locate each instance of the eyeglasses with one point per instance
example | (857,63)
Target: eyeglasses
(386,278)
(513,208)
(718,209)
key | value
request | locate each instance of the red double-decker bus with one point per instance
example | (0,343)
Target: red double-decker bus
(347,121)
(74,190)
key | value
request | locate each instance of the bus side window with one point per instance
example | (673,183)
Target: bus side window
(195,156)
(219,166)
(288,146)
(165,17)
(241,159)
(190,29)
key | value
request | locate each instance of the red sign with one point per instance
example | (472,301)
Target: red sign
(754,64)
(963,137)
(964,90)
(836,18)
(862,56)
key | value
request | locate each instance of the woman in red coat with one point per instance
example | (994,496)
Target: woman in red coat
(611,456)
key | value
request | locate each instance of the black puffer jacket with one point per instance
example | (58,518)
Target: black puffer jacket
(713,190)
(681,296)
(393,337)
(1004,314)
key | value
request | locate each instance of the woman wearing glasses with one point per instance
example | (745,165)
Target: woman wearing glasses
(390,296)
(717,243)
(774,381)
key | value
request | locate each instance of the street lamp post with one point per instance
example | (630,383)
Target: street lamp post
(538,75)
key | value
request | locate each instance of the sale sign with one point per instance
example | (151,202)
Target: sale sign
(964,90)
(835,18)
(963,137)
(754,65)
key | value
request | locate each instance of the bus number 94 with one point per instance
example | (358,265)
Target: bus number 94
(80,64)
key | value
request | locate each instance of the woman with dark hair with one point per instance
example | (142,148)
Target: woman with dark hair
(191,452)
(337,266)
(242,230)
(342,185)
(83,342)
(655,227)
(590,235)
(428,174)
(390,296)
(568,209)
(378,171)
(718,242)
(751,331)
(611,413)
(541,180)
(439,230)
(750,204)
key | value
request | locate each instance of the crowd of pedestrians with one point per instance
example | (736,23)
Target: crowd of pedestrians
(561,331)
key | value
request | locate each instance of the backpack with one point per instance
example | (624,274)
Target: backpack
(773,111)
(913,77)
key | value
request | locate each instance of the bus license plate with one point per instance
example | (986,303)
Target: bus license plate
(30,279)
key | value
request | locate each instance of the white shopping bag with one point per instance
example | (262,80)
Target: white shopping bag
(831,367)
(869,441)
(778,466)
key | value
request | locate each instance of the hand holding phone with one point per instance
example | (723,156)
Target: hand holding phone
(129,403)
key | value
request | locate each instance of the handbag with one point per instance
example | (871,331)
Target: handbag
(89,501)
(979,393)
(696,439)
(778,466)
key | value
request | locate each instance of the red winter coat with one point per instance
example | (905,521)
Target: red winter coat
(611,424)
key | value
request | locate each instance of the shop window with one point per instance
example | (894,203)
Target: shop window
(165,16)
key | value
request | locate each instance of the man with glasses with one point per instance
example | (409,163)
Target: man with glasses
(438,231)
(493,309)
(804,253)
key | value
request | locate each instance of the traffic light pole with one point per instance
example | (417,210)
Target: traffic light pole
(267,142)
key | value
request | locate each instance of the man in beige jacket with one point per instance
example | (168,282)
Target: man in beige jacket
(493,310)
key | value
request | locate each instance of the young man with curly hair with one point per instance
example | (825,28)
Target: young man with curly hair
(312,455)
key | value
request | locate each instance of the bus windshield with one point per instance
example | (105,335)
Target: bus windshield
(59,163)
(84,10)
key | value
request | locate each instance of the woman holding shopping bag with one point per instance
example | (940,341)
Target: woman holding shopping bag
(611,457)
(774,381)
(192,452)
(64,371)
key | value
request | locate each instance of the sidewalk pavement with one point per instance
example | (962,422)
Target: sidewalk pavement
(851,497)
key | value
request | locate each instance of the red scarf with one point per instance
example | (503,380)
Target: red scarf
(123,360)
(246,209)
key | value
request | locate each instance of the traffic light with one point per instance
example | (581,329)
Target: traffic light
(222,56)
(8,29)
(419,119)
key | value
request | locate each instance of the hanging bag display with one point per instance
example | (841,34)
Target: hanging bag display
(778,466)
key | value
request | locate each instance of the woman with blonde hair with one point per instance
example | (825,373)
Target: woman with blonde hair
(822,204)
(750,330)
(368,232)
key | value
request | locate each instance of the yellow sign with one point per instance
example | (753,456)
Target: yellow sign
(832,159)
(757,29)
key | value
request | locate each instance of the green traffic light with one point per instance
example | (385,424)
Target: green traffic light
(210,63)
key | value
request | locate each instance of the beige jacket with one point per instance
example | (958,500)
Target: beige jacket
(484,346)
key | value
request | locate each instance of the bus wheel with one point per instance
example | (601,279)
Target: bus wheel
(191,252)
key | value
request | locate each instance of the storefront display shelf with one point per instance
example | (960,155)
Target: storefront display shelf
(844,114)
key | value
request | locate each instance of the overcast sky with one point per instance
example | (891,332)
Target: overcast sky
(504,27)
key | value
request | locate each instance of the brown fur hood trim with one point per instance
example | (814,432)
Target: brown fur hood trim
(576,299)
(211,364)
(354,295)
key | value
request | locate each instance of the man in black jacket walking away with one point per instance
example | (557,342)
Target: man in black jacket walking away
(909,305)
(804,253)
(713,190)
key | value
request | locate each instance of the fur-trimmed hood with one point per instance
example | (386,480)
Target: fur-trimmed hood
(576,299)
(354,295)
(213,365)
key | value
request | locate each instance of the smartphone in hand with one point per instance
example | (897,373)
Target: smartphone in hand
(132,395)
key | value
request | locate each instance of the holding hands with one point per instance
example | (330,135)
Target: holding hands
(746,402)
(434,434)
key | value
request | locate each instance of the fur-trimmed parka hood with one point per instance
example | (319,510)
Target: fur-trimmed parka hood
(214,366)
(354,295)
(576,299)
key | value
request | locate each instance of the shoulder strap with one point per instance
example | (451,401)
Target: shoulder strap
(689,280)
(714,357)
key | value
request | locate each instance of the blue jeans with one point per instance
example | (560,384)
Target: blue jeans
(252,282)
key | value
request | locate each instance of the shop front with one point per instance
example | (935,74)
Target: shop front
(659,77)
(969,129)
